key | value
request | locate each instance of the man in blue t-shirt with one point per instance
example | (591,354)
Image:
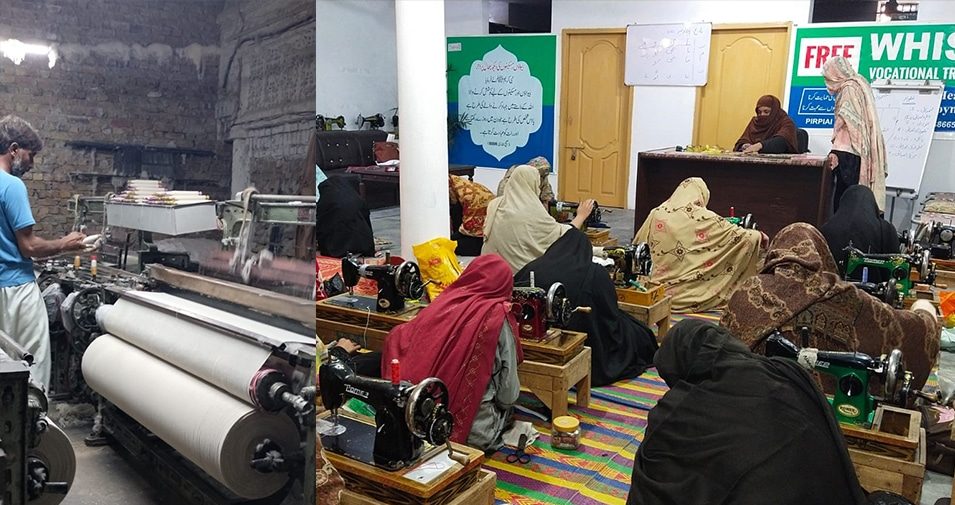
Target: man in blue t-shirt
(22,311)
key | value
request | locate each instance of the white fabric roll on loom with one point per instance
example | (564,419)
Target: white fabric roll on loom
(226,361)
(214,430)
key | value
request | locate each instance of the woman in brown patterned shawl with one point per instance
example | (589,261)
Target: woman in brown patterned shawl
(798,288)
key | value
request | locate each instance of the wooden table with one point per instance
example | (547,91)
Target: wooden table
(377,173)
(776,189)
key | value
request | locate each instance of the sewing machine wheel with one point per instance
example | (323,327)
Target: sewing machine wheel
(45,281)
(83,311)
(408,280)
(946,235)
(891,294)
(748,222)
(426,412)
(558,306)
(894,377)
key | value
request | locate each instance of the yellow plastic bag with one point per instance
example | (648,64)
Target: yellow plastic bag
(439,265)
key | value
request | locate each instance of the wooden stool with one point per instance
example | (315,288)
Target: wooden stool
(891,455)
(552,382)
(657,314)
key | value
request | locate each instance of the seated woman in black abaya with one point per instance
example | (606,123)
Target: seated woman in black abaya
(343,221)
(622,347)
(736,428)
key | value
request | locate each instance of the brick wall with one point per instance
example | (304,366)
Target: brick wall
(266,102)
(139,72)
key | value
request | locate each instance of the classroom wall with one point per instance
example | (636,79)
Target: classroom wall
(356,62)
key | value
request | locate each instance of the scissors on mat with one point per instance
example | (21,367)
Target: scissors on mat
(519,456)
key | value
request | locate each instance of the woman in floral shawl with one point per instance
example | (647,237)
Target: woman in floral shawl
(858,150)
(699,256)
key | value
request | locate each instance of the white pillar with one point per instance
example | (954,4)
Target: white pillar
(423,109)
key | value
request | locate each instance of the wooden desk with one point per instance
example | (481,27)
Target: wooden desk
(776,189)
(377,173)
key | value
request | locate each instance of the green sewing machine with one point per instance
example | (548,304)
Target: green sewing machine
(746,221)
(897,266)
(853,371)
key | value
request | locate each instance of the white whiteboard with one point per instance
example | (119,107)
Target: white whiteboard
(668,55)
(907,115)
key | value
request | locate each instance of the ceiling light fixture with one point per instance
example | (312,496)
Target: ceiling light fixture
(16,51)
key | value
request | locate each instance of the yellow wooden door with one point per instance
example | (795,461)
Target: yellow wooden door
(594,118)
(745,63)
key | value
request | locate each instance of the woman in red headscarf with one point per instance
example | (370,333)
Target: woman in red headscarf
(771,131)
(466,338)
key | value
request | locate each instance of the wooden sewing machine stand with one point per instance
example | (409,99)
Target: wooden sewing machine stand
(458,485)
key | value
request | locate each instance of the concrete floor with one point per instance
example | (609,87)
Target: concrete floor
(386,225)
(103,477)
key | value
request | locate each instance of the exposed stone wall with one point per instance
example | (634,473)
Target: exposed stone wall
(140,72)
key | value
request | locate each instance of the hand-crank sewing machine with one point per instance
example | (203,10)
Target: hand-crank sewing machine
(898,267)
(746,221)
(374,122)
(854,373)
(538,310)
(37,463)
(629,263)
(326,122)
(178,362)
(564,212)
(936,238)
(395,282)
(406,416)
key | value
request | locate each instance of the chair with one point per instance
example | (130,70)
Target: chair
(802,138)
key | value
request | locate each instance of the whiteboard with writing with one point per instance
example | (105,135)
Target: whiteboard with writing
(668,54)
(907,114)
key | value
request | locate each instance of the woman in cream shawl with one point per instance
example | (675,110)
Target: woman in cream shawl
(858,149)
(699,256)
(518,227)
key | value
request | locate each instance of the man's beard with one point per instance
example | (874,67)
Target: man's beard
(18,168)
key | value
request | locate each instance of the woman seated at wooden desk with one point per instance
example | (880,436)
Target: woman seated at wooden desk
(518,227)
(699,256)
(467,338)
(736,427)
(858,222)
(622,347)
(771,131)
(799,288)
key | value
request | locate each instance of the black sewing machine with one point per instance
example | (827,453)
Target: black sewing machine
(629,263)
(324,123)
(538,311)
(406,416)
(564,212)
(937,238)
(395,283)
(374,122)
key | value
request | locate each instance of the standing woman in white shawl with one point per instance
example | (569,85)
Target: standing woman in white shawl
(518,227)
(858,150)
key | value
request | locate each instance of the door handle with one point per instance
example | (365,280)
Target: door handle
(573,153)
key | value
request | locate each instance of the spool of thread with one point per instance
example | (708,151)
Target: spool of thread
(732,211)
(93,266)
(76,261)
(395,372)
(865,274)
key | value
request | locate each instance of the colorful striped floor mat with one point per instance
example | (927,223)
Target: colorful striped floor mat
(599,473)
